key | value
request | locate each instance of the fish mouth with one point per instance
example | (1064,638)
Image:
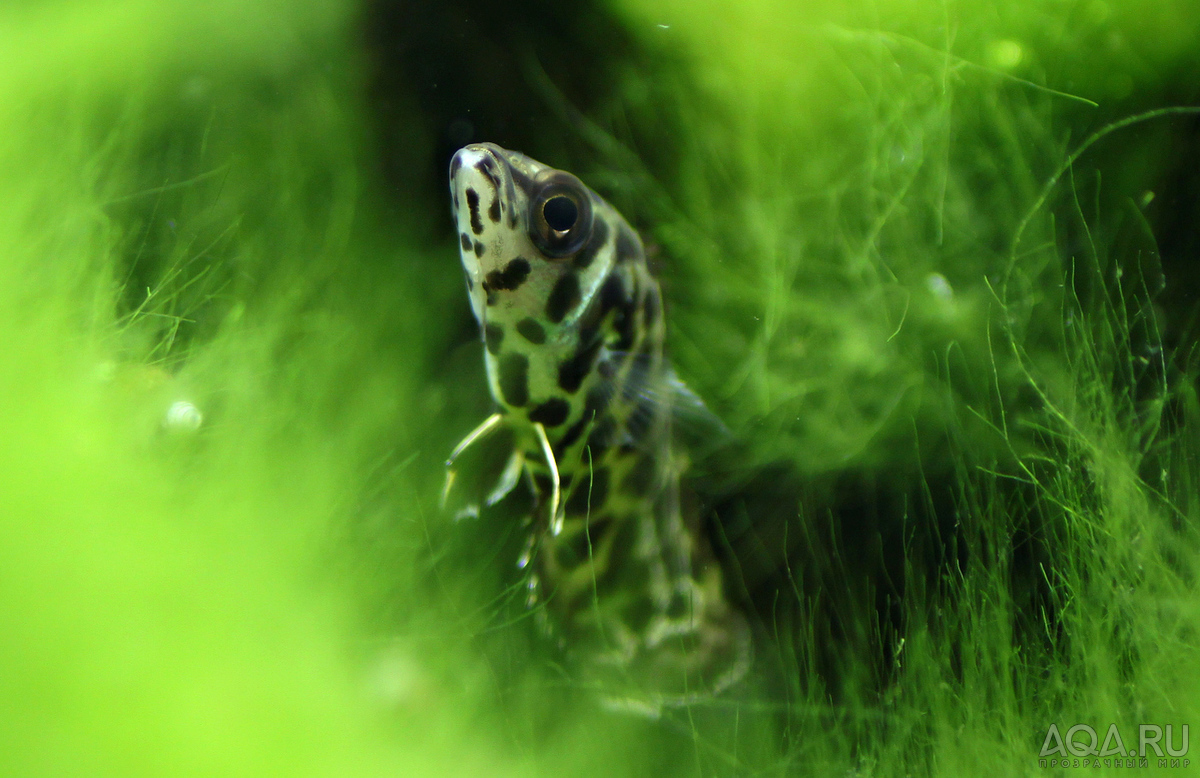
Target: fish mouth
(484,198)
(482,168)
(484,208)
(485,158)
(483,204)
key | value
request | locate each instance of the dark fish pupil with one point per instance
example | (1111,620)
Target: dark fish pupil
(561,213)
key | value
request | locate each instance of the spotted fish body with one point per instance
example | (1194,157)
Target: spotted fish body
(573,329)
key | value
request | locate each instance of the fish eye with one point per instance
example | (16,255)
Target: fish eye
(561,213)
(560,217)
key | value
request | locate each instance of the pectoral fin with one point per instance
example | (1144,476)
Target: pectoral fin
(482,470)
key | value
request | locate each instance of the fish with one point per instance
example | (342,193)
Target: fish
(573,329)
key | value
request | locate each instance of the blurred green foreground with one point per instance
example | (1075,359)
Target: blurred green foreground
(234,352)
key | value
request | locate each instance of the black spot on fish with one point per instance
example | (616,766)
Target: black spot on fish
(514,379)
(591,491)
(455,166)
(651,305)
(640,376)
(494,209)
(589,336)
(491,296)
(563,297)
(594,244)
(511,277)
(679,606)
(580,547)
(612,294)
(473,204)
(493,335)
(531,331)
(629,248)
(641,477)
(589,321)
(597,400)
(625,327)
(598,526)
(551,413)
(621,539)
(640,373)
(465,240)
(478,249)
(601,437)
(470,284)
(607,368)
(521,180)
(640,422)
(570,436)
(484,166)
(572,371)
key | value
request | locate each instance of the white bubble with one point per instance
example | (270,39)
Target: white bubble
(184,416)
(939,287)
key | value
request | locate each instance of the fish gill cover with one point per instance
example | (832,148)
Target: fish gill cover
(933,265)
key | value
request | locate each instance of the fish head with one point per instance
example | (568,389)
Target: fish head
(536,245)
(523,228)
